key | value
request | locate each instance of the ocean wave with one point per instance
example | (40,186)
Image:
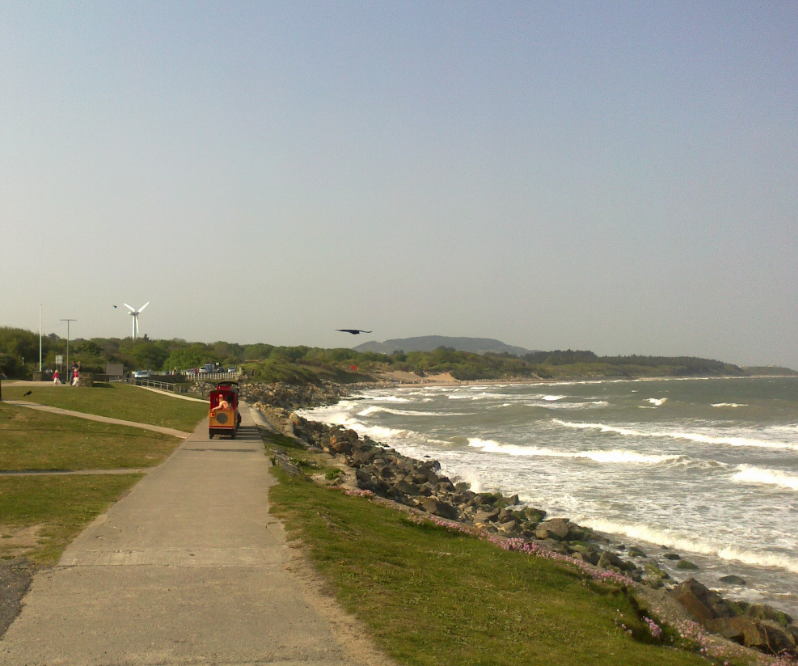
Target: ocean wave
(593,404)
(478,396)
(672,539)
(407,412)
(387,398)
(729,404)
(552,398)
(677,434)
(614,456)
(375,432)
(657,402)
(770,477)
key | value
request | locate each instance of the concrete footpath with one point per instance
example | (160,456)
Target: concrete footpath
(188,568)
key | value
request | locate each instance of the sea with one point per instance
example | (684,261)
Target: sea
(706,468)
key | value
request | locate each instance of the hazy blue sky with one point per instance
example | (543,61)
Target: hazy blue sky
(616,176)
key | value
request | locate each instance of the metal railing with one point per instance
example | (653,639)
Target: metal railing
(203,376)
(163,386)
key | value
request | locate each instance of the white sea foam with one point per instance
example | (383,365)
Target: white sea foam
(614,456)
(552,398)
(771,477)
(677,434)
(657,402)
(407,412)
(593,404)
(680,541)
(387,398)
(376,432)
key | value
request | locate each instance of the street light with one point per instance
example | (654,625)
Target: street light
(67,321)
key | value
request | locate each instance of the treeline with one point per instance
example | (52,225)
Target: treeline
(19,353)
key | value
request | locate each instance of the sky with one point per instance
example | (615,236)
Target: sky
(614,176)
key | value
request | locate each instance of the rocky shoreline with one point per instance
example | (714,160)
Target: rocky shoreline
(369,466)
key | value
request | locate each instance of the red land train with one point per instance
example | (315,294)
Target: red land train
(223,416)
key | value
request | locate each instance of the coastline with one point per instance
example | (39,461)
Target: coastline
(559,537)
(447,380)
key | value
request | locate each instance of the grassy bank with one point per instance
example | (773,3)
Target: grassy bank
(33,440)
(118,401)
(41,515)
(431,596)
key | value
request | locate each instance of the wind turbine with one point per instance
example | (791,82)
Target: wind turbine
(135,314)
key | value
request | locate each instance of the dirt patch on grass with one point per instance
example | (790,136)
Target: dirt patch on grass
(17,541)
(15,579)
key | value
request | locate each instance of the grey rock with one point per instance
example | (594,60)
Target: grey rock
(687,565)
(765,612)
(556,528)
(442,509)
(486,516)
(407,488)
(733,580)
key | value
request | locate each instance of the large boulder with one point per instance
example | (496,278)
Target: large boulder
(702,603)
(364,479)
(742,630)
(486,516)
(556,528)
(779,638)
(765,612)
(406,488)
(442,509)
(338,443)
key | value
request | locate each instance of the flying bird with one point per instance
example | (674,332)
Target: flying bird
(353,331)
(114,307)
(25,395)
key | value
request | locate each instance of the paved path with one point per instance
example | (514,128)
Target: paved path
(189,568)
(94,417)
(77,472)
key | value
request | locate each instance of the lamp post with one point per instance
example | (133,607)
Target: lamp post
(67,321)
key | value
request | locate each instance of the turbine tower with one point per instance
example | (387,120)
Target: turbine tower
(135,314)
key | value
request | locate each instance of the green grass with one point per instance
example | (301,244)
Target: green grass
(430,596)
(61,505)
(118,401)
(34,440)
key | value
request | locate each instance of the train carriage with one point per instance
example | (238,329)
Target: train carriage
(223,415)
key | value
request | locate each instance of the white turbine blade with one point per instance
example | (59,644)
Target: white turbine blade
(129,308)
(141,309)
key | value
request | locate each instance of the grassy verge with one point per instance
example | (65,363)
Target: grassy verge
(118,401)
(430,596)
(33,440)
(39,516)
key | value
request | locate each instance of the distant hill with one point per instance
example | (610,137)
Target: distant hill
(427,343)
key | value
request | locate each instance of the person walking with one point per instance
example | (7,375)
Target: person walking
(56,378)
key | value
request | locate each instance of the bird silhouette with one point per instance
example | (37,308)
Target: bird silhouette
(353,331)
(114,307)
(25,395)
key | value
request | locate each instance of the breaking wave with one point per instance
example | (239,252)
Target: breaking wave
(771,477)
(614,456)
(663,537)
(657,402)
(729,404)
(677,434)
(407,412)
